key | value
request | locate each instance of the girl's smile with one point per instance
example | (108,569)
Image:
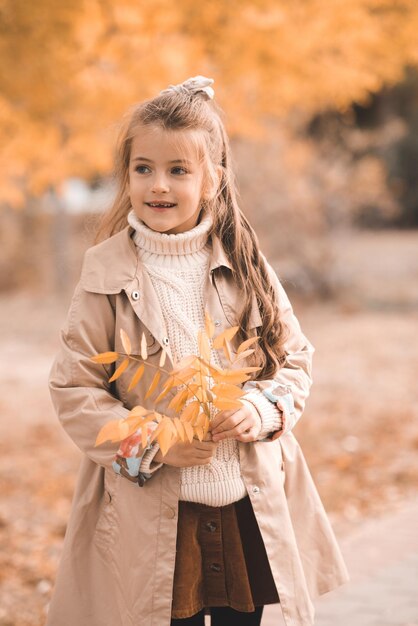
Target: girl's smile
(165,179)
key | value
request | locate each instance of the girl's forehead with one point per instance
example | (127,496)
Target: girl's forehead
(156,143)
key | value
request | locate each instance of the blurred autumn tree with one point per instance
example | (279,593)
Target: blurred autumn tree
(70,69)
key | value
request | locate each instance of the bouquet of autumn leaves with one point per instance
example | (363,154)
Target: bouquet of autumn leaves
(191,403)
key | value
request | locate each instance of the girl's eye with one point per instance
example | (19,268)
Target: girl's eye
(140,169)
(179,170)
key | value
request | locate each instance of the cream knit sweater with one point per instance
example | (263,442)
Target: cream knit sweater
(178,266)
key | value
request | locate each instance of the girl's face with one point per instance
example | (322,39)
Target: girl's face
(165,181)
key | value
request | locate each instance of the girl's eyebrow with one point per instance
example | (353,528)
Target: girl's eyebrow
(140,158)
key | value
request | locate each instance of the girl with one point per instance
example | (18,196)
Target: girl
(226,525)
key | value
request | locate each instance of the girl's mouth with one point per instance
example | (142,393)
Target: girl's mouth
(160,206)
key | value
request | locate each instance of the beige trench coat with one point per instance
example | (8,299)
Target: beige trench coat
(119,550)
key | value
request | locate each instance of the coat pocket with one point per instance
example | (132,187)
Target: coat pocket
(106,526)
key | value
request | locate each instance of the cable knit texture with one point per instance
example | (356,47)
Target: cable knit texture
(177,265)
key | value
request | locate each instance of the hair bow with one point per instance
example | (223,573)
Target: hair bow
(195,85)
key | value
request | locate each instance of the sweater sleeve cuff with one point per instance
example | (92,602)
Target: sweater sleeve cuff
(271,416)
(148,466)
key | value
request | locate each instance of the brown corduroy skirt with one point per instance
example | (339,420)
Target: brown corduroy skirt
(220,560)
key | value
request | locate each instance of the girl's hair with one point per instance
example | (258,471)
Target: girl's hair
(177,110)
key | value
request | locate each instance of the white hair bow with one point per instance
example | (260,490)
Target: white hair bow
(195,85)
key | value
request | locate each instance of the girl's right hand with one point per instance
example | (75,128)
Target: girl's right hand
(185,454)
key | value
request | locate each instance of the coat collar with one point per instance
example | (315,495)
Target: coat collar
(113,264)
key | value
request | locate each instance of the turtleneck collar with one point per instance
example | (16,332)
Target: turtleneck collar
(186,249)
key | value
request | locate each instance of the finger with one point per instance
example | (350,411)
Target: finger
(240,428)
(203,445)
(220,417)
(248,436)
(229,423)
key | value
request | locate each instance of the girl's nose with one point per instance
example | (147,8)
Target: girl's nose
(160,184)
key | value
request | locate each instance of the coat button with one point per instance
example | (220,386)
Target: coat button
(215,567)
(166,341)
(211,526)
(135,295)
(217,322)
(170,512)
(256,489)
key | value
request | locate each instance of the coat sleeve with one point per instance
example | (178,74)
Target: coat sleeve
(80,392)
(290,387)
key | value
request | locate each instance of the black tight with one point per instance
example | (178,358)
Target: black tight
(222,616)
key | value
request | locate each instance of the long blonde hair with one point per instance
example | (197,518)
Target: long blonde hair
(182,111)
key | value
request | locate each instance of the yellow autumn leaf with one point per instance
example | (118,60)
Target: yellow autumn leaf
(180,429)
(126,342)
(185,362)
(144,351)
(227,391)
(198,430)
(243,355)
(164,439)
(177,402)
(231,377)
(227,351)
(136,377)
(227,335)
(247,343)
(153,385)
(190,412)
(226,405)
(200,420)
(188,428)
(105,357)
(122,367)
(139,410)
(109,432)
(209,325)
(168,385)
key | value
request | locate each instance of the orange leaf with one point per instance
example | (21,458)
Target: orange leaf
(188,428)
(227,391)
(190,412)
(209,325)
(169,384)
(231,377)
(199,432)
(243,355)
(144,352)
(180,428)
(246,344)
(109,432)
(139,410)
(227,351)
(105,357)
(136,377)
(122,367)
(153,385)
(227,335)
(177,401)
(126,342)
(225,405)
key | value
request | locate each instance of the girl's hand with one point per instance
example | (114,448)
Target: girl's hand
(185,454)
(243,424)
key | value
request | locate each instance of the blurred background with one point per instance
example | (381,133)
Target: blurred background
(321,104)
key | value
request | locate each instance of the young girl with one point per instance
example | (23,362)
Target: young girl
(221,526)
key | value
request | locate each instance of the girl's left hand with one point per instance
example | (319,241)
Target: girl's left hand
(242,424)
